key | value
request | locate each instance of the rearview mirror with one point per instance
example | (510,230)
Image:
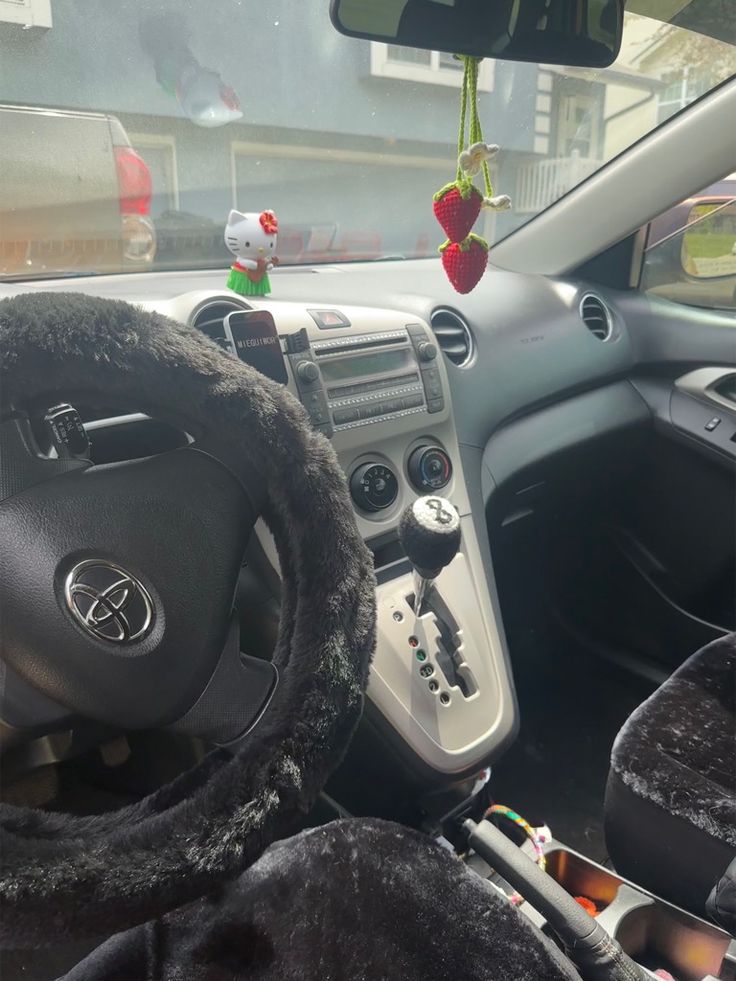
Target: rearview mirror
(585,33)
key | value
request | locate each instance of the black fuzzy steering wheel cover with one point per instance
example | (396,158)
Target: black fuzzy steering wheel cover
(65,876)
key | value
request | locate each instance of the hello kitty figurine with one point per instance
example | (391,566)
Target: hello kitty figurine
(252,240)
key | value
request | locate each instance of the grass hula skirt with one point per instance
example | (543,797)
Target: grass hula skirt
(249,282)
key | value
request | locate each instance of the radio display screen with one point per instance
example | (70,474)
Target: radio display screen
(356,366)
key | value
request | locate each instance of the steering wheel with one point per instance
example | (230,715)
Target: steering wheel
(116,591)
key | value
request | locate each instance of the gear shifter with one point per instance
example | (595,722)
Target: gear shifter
(429,532)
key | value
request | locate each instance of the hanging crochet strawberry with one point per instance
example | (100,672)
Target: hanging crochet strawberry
(465,262)
(457,205)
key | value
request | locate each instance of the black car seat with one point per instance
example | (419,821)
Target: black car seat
(353,899)
(670,817)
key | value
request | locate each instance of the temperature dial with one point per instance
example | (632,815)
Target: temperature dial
(430,468)
(374,487)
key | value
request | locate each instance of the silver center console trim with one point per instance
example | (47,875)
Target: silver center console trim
(464,733)
(446,729)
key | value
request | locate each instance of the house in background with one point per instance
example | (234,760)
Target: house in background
(346,140)
(585,118)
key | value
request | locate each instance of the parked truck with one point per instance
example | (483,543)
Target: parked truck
(74,194)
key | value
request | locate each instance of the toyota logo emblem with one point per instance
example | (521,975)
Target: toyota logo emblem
(108,602)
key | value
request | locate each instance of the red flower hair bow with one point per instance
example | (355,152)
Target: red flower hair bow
(269,223)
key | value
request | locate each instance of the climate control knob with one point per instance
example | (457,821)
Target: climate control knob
(374,486)
(430,468)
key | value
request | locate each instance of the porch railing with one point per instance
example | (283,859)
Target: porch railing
(539,183)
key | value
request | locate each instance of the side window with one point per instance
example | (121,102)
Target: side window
(690,255)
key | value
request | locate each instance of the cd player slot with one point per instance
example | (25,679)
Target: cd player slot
(328,348)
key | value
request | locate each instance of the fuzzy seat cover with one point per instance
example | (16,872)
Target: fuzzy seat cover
(671,796)
(351,901)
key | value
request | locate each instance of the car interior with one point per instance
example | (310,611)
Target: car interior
(358,624)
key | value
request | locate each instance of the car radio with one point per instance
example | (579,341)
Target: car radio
(346,382)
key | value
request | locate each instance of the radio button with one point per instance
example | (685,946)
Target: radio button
(412,401)
(342,416)
(435,405)
(432,382)
(316,405)
(308,372)
(318,415)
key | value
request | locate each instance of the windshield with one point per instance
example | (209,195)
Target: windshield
(174,113)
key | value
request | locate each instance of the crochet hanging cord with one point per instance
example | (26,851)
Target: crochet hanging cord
(458,204)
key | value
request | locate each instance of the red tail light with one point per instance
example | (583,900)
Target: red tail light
(134,181)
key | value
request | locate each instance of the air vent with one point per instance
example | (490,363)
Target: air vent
(453,336)
(210,319)
(596,316)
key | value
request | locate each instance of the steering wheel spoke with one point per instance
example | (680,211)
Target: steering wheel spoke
(236,696)
(23,463)
(130,571)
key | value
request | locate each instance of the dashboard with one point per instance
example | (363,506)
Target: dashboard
(422,391)
(527,341)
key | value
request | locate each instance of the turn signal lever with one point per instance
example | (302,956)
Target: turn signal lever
(597,956)
(429,532)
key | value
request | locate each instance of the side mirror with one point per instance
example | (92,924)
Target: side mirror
(709,240)
(585,33)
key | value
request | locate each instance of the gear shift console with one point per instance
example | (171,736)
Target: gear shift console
(429,532)
(435,673)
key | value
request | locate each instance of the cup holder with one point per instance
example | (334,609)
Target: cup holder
(661,936)
(651,931)
(579,877)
